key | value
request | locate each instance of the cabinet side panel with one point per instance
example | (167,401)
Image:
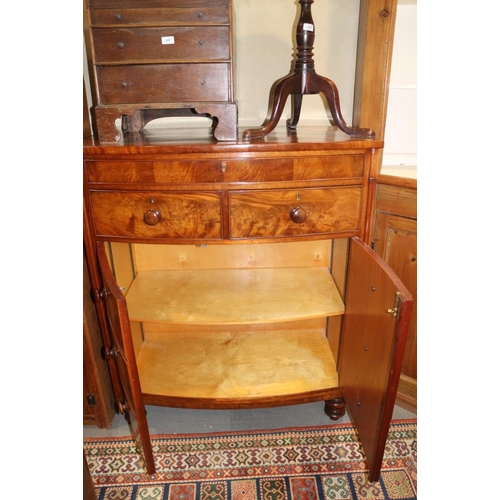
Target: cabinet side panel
(97,381)
(340,248)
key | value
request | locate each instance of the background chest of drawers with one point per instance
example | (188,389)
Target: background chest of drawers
(159,58)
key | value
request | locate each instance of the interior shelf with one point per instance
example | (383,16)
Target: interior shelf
(224,366)
(233,296)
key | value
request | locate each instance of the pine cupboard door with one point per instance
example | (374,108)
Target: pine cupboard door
(122,353)
(377,315)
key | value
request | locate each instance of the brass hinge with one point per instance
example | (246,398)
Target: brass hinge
(90,399)
(395,307)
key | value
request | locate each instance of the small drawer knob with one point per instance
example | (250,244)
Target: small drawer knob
(298,215)
(152,217)
(118,16)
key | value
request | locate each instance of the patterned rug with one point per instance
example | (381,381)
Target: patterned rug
(312,463)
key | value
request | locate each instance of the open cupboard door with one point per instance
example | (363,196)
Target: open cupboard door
(377,315)
(122,352)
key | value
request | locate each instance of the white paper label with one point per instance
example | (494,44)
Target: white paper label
(308,27)
(167,40)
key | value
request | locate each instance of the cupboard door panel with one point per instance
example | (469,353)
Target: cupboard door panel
(396,243)
(122,352)
(372,347)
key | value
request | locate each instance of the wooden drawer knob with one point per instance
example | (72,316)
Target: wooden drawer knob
(298,215)
(152,217)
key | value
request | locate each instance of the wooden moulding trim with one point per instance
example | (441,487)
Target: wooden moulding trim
(393,180)
(241,403)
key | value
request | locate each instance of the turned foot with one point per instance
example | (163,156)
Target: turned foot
(335,408)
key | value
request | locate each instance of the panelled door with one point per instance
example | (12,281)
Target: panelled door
(377,315)
(122,353)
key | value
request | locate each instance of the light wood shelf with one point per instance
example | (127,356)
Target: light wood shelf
(233,296)
(236,365)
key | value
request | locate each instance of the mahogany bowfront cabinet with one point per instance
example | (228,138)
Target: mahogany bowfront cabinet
(237,275)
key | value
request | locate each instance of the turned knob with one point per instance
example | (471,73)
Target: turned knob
(152,217)
(298,215)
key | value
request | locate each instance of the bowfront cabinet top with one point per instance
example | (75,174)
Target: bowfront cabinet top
(237,275)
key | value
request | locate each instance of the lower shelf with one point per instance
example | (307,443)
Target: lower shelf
(236,369)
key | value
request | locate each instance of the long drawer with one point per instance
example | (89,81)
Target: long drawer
(293,168)
(157,215)
(147,12)
(162,44)
(142,84)
(293,212)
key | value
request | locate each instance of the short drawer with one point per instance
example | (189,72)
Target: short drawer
(154,13)
(143,84)
(150,45)
(156,215)
(294,212)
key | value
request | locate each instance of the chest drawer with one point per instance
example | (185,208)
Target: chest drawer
(142,84)
(164,44)
(156,13)
(156,215)
(294,212)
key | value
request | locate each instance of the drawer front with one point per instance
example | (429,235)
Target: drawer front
(295,168)
(290,212)
(139,84)
(248,170)
(154,13)
(163,44)
(151,172)
(156,215)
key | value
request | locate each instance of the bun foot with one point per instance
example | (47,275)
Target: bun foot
(335,408)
